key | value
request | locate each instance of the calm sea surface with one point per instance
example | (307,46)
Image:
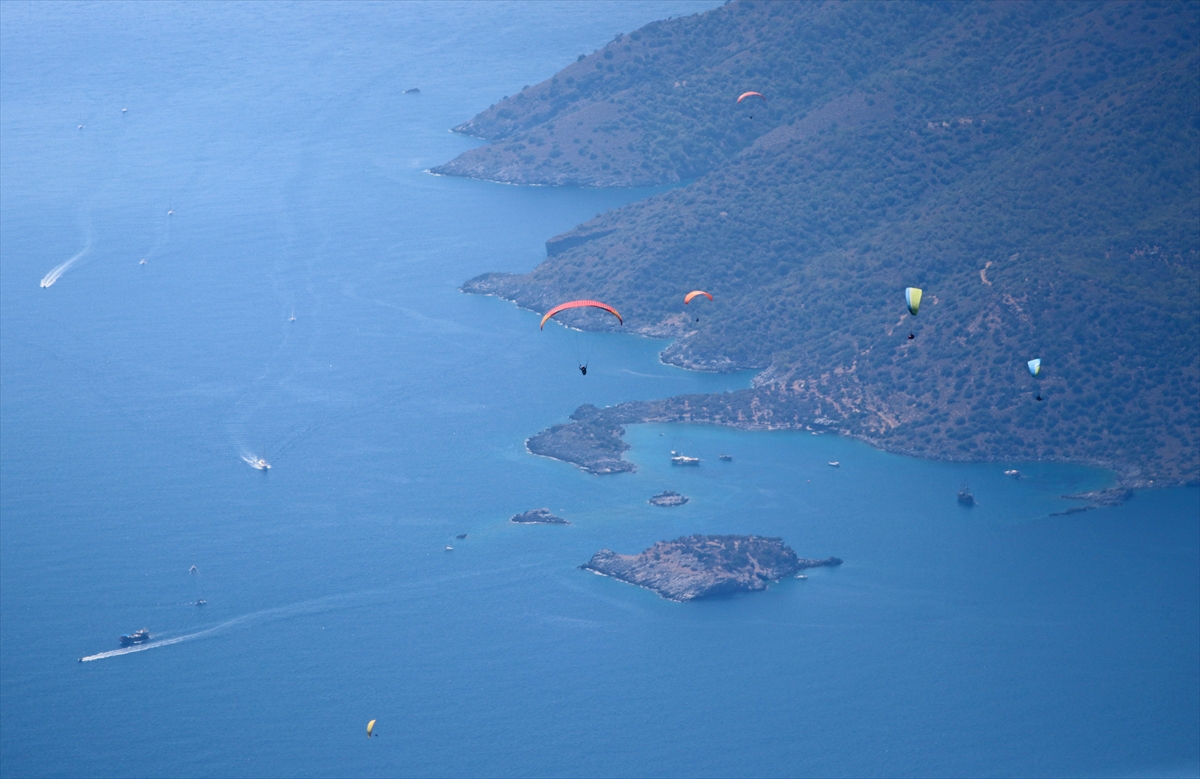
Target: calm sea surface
(992,641)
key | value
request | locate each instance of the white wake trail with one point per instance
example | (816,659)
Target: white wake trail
(282,611)
(57,273)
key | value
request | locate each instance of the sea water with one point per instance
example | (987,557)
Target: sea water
(995,640)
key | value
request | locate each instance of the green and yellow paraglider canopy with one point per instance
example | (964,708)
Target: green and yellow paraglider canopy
(912,296)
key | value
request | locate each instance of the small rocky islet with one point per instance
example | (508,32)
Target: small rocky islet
(668,498)
(701,566)
(541,516)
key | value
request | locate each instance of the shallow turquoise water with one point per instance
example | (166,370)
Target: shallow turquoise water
(991,641)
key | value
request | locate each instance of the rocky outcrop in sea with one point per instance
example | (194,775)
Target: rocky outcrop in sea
(702,566)
(537,517)
(1113,496)
(668,498)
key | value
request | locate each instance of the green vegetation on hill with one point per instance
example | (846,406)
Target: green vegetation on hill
(1035,167)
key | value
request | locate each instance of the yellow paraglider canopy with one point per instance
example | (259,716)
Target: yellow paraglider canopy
(370,728)
(912,296)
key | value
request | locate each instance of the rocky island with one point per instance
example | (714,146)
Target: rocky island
(537,517)
(701,566)
(668,498)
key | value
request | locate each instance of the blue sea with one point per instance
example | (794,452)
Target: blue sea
(270,166)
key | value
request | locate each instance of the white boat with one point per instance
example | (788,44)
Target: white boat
(801,576)
(292,318)
(682,459)
(835,463)
(449,549)
(261,464)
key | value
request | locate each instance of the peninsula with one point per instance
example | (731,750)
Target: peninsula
(1033,166)
(702,566)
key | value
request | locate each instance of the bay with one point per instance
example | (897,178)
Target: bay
(997,640)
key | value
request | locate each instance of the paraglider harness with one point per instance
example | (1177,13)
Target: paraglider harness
(583,369)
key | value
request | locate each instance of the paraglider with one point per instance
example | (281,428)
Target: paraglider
(580,304)
(1035,367)
(687,299)
(370,728)
(912,298)
(745,95)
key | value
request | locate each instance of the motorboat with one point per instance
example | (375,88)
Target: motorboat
(136,637)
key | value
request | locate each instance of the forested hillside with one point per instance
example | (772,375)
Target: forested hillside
(1035,167)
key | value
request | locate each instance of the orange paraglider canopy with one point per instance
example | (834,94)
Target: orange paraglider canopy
(694,293)
(580,304)
(751,94)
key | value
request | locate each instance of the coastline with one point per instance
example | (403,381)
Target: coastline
(834,403)
(593,440)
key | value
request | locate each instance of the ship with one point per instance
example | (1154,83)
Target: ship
(964,495)
(683,459)
(835,464)
(1013,474)
(137,637)
(261,464)
(726,457)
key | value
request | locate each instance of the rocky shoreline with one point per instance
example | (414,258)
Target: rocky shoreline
(702,566)
(1114,496)
(593,439)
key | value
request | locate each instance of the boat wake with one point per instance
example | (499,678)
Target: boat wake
(306,607)
(125,650)
(56,274)
(258,463)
